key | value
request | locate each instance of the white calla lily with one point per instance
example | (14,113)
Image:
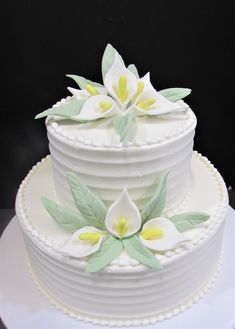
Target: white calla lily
(96,107)
(120,83)
(160,234)
(153,103)
(123,217)
(83,242)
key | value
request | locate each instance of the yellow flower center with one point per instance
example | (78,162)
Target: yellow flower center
(91,90)
(122,88)
(140,89)
(121,227)
(105,106)
(92,237)
(152,233)
(145,104)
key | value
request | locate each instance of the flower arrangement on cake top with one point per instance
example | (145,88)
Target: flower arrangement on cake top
(122,97)
(102,234)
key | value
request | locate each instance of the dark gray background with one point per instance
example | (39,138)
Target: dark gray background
(185,44)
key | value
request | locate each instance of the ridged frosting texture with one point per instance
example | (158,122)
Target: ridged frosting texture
(106,166)
(127,295)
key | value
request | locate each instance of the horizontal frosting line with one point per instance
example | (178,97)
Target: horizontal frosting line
(178,174)
(166,314)
(124,170)
(121,305)
(123,154)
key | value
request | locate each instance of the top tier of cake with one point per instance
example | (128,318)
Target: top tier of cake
(121,134)
(106,165)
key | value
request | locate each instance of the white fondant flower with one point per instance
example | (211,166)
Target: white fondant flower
(153,103)
(160,234)
(100,106)
(123,217)
(120,83)
(89,91)
(83,242)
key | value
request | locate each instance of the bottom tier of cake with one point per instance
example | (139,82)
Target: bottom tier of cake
(125,292)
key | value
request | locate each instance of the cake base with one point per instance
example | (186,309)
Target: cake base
(22,305)
(124,293)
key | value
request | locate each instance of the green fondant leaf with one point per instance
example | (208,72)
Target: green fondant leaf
(138,251)
(156,204)
(68,218)
(66,110)
(122,124)
(90,206)
(175,94)
(110,249)
(82,82)
(108,59)
(134,70)
(188,220)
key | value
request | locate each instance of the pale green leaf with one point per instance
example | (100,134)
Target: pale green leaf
(90,206)
(68,218)
(66,110)
(122,124)
(108,59)
(110,250)
(82,82)
(134,70)
(188,220)
(156,204)
(135,249)
(175,94)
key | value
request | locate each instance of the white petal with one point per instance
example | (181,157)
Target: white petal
(79,94)
(92,110)
(171,237)
(81,248)
(161,105)
(112,78)
(125,208)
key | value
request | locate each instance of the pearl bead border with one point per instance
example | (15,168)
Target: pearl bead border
(137,322)
(78,141)
(125,263)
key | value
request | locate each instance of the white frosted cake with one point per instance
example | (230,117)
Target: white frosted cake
(123,222)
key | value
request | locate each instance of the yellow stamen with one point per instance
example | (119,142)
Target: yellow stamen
(152,233)
(145,105)
(121,227)
(91,90)
(139,90)
(105,106)
(92,237)
(122,88)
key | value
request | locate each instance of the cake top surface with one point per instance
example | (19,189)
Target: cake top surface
(126,107)
(142,132)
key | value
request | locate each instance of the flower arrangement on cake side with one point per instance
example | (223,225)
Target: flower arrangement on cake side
(122,97)
(101,234)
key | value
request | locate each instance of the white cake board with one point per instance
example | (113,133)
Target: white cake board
(23,306)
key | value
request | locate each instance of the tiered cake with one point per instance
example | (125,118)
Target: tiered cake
(123,222)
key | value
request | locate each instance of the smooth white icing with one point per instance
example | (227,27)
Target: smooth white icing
(125,290)
(105,165)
